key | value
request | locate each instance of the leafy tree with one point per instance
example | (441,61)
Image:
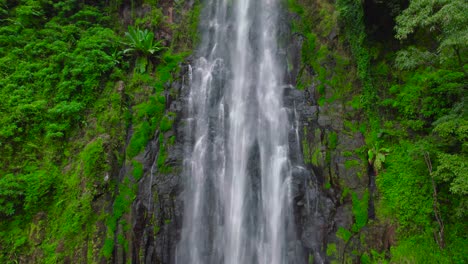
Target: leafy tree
(451,133)
(453,169)
(447,19)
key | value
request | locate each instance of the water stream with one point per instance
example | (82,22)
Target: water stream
(237,206)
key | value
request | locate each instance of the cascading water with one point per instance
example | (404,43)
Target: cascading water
(236,198)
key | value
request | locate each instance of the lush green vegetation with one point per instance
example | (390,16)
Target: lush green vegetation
(58,68)
(421,127)
(141,43)
(412,86)
(73,83)
(76,84)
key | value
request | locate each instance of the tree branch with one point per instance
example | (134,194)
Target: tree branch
(439,237)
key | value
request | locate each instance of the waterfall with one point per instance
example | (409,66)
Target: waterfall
(237,207)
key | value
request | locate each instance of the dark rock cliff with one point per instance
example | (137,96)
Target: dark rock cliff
(326,170)
(157,210)
(320,146)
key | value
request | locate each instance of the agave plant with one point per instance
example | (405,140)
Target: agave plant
(141,43)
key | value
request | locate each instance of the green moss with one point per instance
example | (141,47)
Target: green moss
(152,19)
(171,141)
(141,136)
(351,163)
(162,159)
(150,114)
(295,7)
(162,156)
(327,22)
(156,229)
(322,100)
(137,170)
(308,49)
(365,259)
(344,234)
(316,157)
(359,210)
(331,249)
(328,157)
(122,205)
(167,121)
(123,242)
(359,174)
(344,194)
(108,247)
(332,140)
(94,159)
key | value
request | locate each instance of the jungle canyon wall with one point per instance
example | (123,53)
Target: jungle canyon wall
(93,130)
(329,181)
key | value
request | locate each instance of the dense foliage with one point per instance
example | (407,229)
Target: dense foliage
(74,82)
(58,67)
(70,95)
(422,123)
(410,61)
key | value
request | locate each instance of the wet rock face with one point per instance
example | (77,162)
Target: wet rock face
(155,219)
(313,208)
(319,173)
(157,209)
(320,146)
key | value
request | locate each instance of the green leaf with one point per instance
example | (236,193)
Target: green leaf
(370,154)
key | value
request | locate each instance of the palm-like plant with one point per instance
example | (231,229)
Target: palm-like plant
(376,158)
(141,43)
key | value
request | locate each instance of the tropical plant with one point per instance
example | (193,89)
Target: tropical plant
(376,158)
(141,43)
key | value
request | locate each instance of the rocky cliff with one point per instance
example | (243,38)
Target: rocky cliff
(331,179)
